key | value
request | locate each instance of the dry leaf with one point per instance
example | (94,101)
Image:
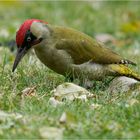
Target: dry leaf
(30,91)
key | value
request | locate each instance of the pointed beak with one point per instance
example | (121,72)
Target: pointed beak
(20,53)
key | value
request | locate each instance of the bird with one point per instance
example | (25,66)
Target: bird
(70,52)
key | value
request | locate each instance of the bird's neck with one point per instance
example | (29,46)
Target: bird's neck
(43,52)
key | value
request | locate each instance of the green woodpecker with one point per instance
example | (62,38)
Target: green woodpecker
(70,52)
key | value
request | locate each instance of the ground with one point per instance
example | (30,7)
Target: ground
(118,116)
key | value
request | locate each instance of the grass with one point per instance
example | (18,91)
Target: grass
(115,119)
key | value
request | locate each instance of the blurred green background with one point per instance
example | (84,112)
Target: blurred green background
(91,17)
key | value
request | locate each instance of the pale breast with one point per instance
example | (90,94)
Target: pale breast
(57,60)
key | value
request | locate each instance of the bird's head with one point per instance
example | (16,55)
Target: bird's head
(31,33)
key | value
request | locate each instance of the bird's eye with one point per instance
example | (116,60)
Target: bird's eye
(28,39)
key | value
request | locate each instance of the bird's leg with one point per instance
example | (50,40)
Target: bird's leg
(84,82)
(69,77)
(79,79)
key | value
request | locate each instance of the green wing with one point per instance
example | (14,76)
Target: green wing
(83,48)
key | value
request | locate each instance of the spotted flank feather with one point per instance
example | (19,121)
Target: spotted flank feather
(124,61)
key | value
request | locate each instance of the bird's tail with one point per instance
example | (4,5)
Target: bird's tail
(124,71)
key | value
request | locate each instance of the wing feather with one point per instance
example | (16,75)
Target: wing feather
(83,48)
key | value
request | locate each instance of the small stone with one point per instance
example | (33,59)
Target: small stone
(63,118)
(95,106)
(51,133)
(105,38)
(4,33)
(4,115)
(54,102)
(121,84)
(70,92)
(82,98)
